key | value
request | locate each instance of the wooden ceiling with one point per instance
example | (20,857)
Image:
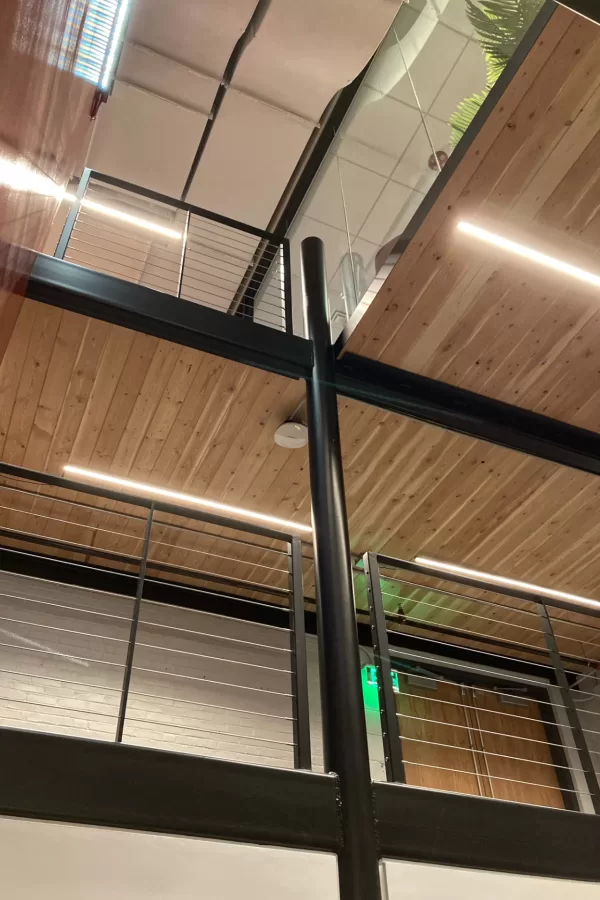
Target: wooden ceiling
(75,390)
(459,311)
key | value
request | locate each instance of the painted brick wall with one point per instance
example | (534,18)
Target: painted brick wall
(201,683)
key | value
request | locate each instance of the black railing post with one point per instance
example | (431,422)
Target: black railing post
(344,726)
(302,753)
(135,618)
(570,708)
(183,251)
(287,285)
(392,744)
(65,236)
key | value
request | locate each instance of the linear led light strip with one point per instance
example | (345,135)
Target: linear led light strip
(508,582)
(496,240)
(124,217)
(185,498)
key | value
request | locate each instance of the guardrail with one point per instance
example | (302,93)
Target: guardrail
(108,666)
(481,690)
(146,238)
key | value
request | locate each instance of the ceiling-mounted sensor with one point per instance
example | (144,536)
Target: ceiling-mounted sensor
(291,435)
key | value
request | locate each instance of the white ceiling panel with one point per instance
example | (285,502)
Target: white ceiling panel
(145,140)
(306,51)
(248,160)
(347,208)
(200,33)
(171,80)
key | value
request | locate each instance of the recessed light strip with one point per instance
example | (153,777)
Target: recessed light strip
(496,240)
(508,582)
(177,497)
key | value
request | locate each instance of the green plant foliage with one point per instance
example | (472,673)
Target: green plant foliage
(499,26)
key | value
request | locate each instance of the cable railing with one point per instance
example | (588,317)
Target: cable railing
(481,691)
(174,673)
(126,231)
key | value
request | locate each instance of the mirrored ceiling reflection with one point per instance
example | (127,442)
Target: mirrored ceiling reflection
(422,91)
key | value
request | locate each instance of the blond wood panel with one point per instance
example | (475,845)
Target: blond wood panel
(476,317)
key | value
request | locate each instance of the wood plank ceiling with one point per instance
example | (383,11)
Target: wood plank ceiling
(77,390)
(477,317)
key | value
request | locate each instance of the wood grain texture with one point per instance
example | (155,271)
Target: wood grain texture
(474,316)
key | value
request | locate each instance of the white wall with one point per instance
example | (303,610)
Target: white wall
(69,862)
(199,686)
(416,881)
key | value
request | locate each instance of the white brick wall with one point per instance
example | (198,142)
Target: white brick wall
(200,685)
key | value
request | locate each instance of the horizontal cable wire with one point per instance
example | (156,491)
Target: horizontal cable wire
(459,612)
(217,637)
(238,264)
(92,612)
(99,637)
(51,706)
(538,665)
(494,693)
(81,505)
(532,762)
(466,634)
(188,587)
(221,281)
(187,279)
(241,687)
(197,218)
(248,712)
(37,515)
(146,246)
(217,555)
(474,774)
(514,737)
(234,662)
(244,737)
(108,227)
(71,656)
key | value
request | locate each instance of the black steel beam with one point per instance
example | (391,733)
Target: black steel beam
(466,412)
(143,309)
(476,832)
(100,783)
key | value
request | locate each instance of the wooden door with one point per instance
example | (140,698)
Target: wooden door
(473,741)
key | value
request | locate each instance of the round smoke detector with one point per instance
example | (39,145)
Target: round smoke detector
(291,435)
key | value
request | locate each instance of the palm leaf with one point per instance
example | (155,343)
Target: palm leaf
(499,25)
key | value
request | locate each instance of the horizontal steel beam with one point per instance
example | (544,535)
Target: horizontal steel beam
(98,783)
(466,412)
(476,832)
(164,316)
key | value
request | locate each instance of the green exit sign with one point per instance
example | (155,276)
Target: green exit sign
(372,678)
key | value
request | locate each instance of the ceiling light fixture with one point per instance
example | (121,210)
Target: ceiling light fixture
(507,582)
(185,498)
(117,34)
(496,240)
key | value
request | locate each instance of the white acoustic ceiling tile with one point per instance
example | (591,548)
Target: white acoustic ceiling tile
(344,194)
(201,34)
(335,240)
(157,73)
(468,77)
(382,223)
(413,169)
(306,51)
(383,122)
(248,160)
(145,140)
(431,66)
(362,154)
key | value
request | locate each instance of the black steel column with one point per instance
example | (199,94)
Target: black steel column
(302,757)
(344,727)
(134,627)
(392,744)
(286,262)
(570,708)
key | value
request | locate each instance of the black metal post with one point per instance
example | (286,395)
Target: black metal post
(392,743)
(570,708)
(65,237)
(183,251)
(302,754)
(287,285)
(134,627)
(344,726)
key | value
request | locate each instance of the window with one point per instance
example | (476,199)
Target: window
(97,32)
